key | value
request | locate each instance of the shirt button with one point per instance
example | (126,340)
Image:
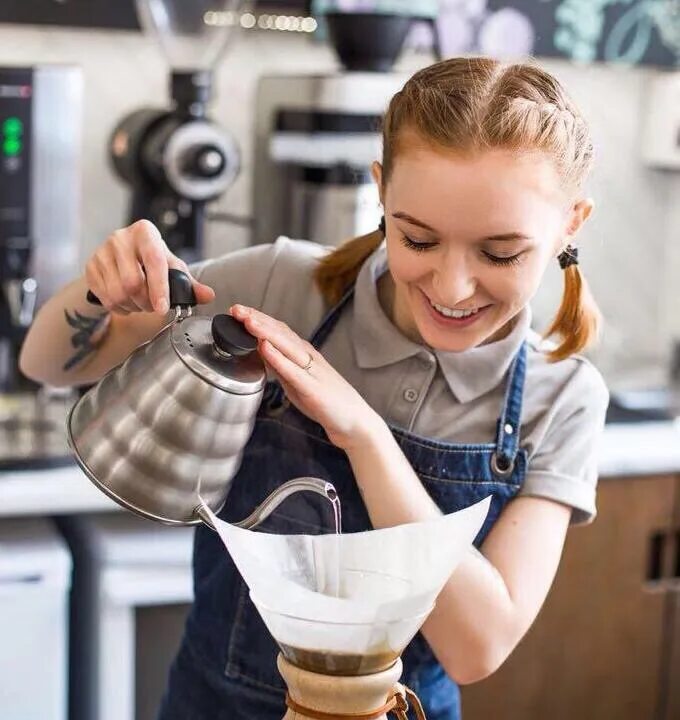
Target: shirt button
(410,395)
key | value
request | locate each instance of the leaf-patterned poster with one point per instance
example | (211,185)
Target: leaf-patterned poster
(628,31)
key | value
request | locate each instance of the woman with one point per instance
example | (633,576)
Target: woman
(407,374)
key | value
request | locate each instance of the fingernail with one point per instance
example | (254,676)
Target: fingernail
(163,305)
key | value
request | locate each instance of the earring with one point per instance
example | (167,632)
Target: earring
(381,225)
(568,257)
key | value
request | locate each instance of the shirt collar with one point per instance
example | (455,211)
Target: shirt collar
(377,342)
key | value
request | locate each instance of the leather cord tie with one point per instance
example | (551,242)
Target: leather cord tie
(397,703)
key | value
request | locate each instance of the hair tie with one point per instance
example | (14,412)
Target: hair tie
(568,257)
(381,225)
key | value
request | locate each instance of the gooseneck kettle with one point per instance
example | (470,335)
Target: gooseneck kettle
(172,420)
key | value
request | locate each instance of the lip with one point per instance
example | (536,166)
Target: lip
(448,322)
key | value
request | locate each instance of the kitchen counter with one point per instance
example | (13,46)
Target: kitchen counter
(649,448)
(646,448)
(50,492)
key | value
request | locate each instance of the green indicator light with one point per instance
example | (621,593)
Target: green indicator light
(11,146)
(12,126)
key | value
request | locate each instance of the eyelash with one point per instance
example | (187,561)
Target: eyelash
(493,259)
(511,260)
(417,246)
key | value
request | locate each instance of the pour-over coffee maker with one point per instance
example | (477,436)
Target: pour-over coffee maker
(342,608)
(177,160)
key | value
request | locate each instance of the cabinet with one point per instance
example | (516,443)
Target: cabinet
(607,641)
(672,709)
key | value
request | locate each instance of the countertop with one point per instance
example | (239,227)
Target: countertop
(626,449)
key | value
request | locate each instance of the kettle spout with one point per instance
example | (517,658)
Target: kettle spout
(272,501)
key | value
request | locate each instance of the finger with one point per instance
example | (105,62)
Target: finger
(132,277)
(152,253)
(114,296)
(265,327)
(288,370)
(93,277)
(95,283)
(204,293)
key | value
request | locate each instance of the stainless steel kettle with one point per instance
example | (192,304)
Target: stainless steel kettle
(172,420)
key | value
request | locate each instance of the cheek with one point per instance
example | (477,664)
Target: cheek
(515,285)
(406,265)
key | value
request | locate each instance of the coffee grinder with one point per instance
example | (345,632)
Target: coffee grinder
(177,160)
(316,135)
(40,136)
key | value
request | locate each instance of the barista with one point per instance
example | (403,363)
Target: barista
(406,373)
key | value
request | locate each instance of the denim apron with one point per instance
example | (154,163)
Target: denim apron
(226,666)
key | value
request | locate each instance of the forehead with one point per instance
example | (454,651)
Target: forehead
(493,187)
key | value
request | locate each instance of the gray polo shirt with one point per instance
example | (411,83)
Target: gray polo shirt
(454,397)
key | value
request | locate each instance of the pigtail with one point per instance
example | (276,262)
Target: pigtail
(339,269)
(578,318)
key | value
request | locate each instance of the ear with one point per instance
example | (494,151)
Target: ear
(578,214)
(376,172)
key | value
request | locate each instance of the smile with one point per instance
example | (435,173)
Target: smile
(450,312)
(449,318)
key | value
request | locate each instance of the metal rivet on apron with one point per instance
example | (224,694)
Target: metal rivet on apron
(502,468)
(509,429)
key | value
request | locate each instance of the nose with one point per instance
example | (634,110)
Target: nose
(454,281)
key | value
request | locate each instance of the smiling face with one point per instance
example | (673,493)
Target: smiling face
(469,238)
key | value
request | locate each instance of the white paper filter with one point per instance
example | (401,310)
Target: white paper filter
(388,579)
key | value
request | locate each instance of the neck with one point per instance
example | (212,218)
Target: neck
(395,311)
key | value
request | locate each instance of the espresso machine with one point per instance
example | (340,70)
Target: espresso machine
(176,160)
(40,136)
(316,136)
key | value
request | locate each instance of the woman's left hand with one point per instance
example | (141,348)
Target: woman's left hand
(309,381)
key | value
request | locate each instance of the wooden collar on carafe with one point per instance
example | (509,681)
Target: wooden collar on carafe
(398,703)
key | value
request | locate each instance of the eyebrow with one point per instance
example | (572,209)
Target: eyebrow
(510,236)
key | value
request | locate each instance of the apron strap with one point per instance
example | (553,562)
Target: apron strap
(507,431)
(325,327)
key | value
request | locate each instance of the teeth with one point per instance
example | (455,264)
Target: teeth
(448,312)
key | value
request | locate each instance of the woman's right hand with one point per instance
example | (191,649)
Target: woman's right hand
(129,271)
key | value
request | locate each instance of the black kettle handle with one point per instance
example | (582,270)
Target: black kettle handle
(181,290)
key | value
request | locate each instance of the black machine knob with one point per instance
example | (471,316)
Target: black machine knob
(206,161)
(181,290)
(231,337)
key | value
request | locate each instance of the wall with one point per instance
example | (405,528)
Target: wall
(630,248)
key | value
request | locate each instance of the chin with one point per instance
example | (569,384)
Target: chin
(446,342)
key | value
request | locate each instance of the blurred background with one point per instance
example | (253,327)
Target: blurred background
(229,124)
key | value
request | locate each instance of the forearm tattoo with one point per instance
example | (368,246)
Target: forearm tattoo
(88,332)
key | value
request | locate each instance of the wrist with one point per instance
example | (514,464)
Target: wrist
(372,432)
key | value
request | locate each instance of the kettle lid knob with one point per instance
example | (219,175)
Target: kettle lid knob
(231,337)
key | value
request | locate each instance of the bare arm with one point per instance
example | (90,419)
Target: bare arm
(506,587)
(72,342)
